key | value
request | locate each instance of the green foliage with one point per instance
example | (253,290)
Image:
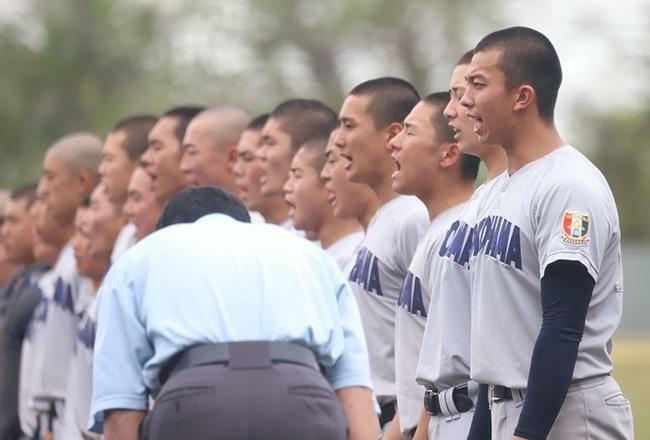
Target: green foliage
(622,152)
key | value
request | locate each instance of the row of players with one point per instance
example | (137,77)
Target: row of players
(347,182)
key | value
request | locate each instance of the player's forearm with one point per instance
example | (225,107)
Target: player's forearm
(122,424)
(422,431)
(566,292)
(357,403)
(394,431)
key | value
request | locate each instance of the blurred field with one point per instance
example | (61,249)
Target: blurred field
(632,371)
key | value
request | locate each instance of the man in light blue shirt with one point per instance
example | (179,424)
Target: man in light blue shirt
(215,281)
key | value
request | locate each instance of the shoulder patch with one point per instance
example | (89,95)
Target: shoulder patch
(575,228)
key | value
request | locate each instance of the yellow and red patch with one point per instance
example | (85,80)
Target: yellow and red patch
(575,228)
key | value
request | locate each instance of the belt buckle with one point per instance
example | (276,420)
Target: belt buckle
(431,403)
(491,397)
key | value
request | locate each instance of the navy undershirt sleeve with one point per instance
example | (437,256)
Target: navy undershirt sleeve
(566,293)
(481,428)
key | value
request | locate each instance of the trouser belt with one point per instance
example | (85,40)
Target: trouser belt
(243,354)
(387,412)
(450,402)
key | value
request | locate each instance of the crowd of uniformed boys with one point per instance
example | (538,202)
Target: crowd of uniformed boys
(446,279)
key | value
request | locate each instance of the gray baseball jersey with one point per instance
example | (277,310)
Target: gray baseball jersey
(558,207)
(344,250)
(413,303)
(32,344)
(65,301)
(79,391)
(445,356)
(376,279)
(125,239)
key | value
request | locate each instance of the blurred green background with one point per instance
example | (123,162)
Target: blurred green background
(83,64)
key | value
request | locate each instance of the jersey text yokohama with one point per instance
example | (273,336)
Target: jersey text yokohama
(558,207)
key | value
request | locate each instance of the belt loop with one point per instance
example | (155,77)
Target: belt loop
(249,354)
(490,396)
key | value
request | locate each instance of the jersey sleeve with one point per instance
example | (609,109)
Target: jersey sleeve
(572,222)
(121,349)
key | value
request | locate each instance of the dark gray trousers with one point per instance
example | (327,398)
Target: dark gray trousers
(268,401)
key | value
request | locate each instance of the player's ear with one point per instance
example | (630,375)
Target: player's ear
(450,154)
(392,130)
(523,97)
(232,157)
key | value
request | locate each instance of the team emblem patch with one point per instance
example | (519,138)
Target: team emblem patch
(575,228)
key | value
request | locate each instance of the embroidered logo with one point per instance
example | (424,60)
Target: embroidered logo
(575,228)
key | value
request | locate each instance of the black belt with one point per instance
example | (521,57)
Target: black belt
(498,393)
(236,354)
(460,401)
(387,413)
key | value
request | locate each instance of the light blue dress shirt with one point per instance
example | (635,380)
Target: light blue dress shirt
(219,280)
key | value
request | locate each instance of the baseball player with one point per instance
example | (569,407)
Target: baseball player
(370,116)
(121,153)
(288,127)
(547,279)
(348,199)
(309,209)
(142,208)
(431,167)
(69,174)
(443,367)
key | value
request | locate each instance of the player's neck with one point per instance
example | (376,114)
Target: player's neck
(531,142)
(451,193)
(334,229)
(276,211)
(384,191)
(371,207)
(496,162)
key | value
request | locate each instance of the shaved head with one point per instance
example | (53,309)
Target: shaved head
(224,124)
(79,152)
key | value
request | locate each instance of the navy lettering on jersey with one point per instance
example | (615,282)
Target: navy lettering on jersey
(87,334)
(498,238)
(458,243)
(366,272)
(410,296)
(63,296)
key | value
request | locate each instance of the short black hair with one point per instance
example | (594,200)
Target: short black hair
(317,144)
(25,192)
(392,99)
(465,58)
(468,164)
(303,119)
(439,100)
(136,128)
(191,204)
(184,114)
(258,122)
(528,57)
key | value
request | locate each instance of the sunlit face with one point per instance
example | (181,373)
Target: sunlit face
(275,153)
(487,100)
(248,170)
(116,167)
(163,157)
(204,163)
(104,223)
(17,232)
(362,144)
(59,189)
(305,192)
(348,199)
(142,208)
(88,265)
(415,152)
(468,142)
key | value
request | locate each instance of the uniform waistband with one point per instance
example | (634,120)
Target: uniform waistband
(498,393)
(243,354)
